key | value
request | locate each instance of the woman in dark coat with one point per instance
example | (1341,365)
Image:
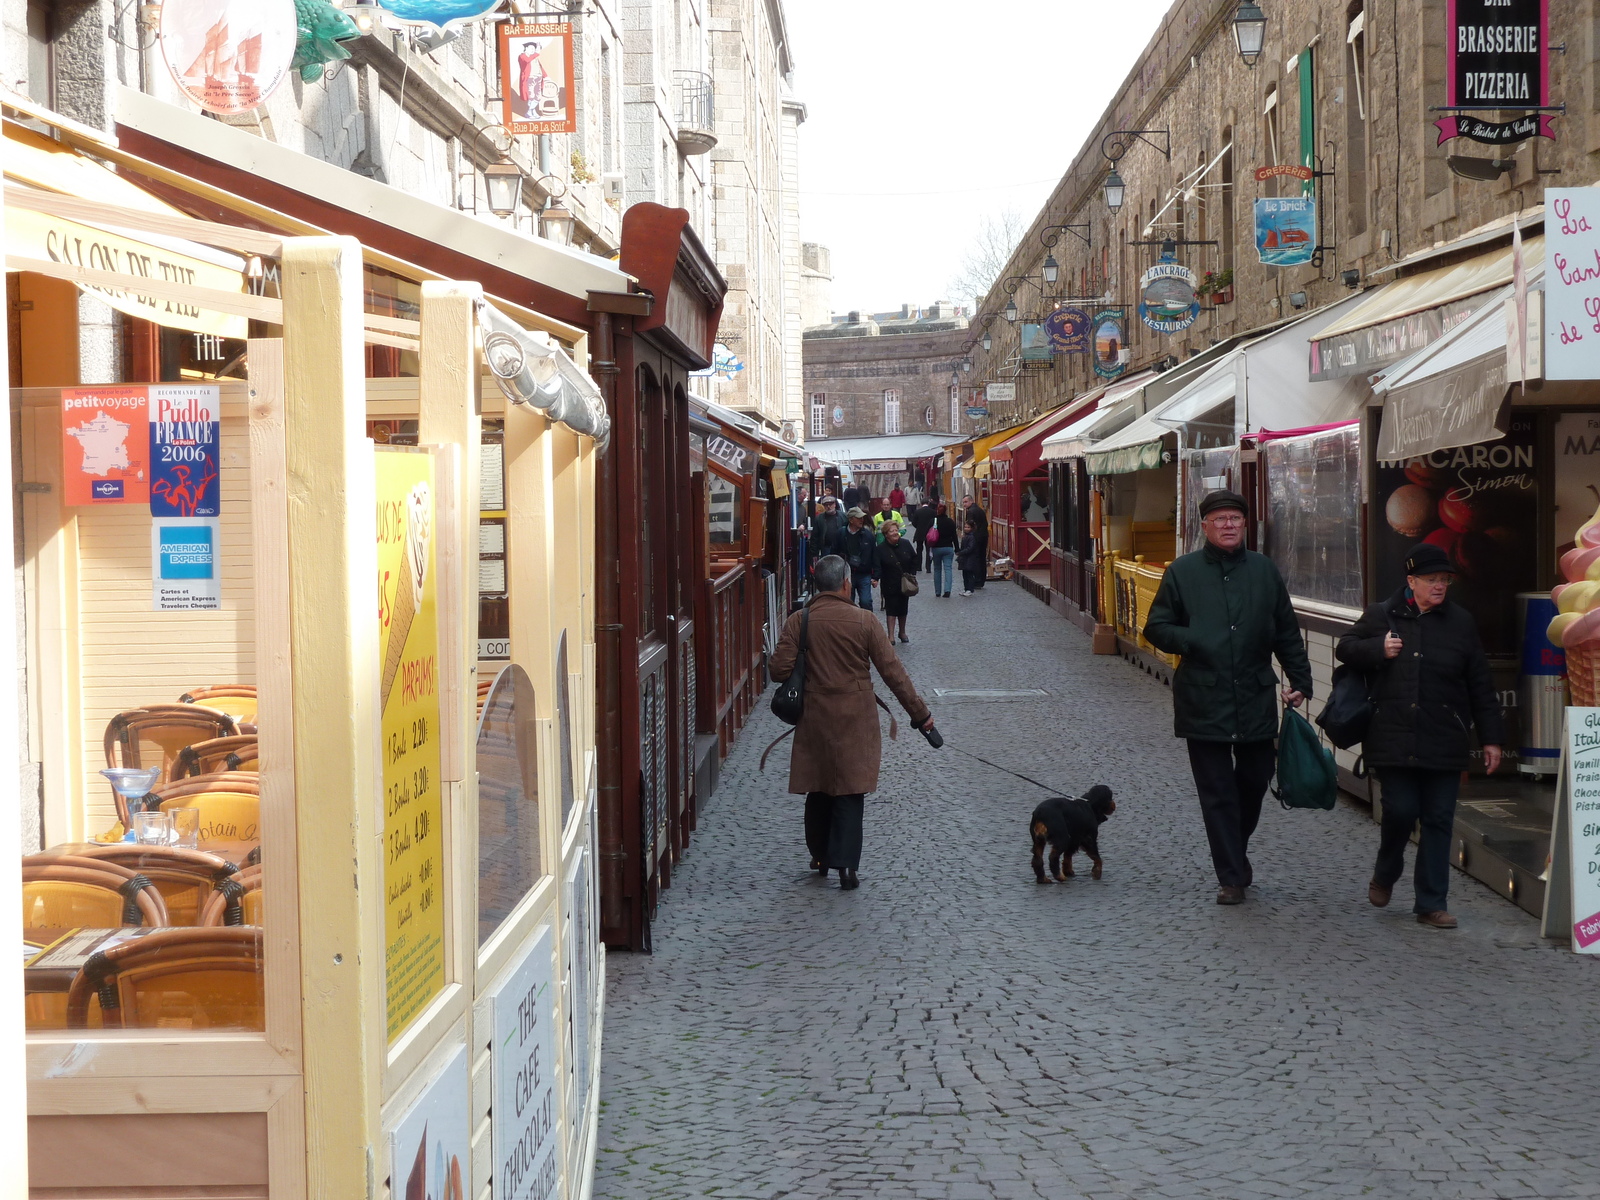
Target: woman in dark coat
(1429,680)
(897,558)
(971,558)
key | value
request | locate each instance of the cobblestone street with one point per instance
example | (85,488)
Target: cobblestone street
(952,1031)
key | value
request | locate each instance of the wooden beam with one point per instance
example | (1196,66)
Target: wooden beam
(238,304)
(333,645)
(95,212)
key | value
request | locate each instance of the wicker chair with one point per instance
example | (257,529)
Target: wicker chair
(186,879)
(236,753)
(224,816)
(65,891)
(204,978)
(238,700)
(246,783)
(235,902)
(169,728)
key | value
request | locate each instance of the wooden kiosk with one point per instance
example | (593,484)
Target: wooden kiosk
(380,975)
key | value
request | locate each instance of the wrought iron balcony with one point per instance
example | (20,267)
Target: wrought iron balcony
(696,118)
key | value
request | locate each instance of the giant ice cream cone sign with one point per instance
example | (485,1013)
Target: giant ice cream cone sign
(1576,625)
(408,698)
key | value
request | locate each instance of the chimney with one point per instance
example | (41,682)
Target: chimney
(855,316)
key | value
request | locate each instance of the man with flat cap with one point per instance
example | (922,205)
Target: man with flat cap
(1225,611)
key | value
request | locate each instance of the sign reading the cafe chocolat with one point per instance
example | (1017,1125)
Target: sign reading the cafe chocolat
(1572,284)
(228,56)
(1496,57)
(523,1115)
(408,699)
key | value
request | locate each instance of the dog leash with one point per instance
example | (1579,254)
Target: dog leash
(1005,770)
(894,733)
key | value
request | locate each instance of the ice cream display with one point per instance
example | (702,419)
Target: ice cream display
(408,589)
(1576,626)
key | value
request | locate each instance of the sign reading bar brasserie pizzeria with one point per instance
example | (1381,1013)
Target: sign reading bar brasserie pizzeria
(1496,57)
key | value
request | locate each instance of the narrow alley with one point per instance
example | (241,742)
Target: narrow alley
(952,1031)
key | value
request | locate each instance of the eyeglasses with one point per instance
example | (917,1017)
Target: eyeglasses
(1227,522)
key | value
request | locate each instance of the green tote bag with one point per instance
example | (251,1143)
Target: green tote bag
(1307,777)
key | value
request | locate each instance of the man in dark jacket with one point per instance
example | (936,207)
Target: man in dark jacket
(858,546)
(826,527)
(1430,677)
(921,522)
(1226,612)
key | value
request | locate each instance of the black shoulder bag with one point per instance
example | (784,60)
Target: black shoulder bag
(788,701)
(1348,712)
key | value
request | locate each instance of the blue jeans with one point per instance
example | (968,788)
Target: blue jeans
(944,558)
(1411,796)
(862,589)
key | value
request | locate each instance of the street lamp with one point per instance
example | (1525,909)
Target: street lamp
(1249,31)
(503,181)
(966,365)
(556,222)
(987,341)
(1010,312)
(1116,190)
(1051,268)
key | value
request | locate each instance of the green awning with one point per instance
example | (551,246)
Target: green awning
(1125,459)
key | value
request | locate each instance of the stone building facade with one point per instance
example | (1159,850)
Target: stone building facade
(1347,86)
(883,374)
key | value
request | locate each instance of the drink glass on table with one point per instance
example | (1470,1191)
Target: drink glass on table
(186,827)
(153,828)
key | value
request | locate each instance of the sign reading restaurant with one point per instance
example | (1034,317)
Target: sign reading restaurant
(1496,57)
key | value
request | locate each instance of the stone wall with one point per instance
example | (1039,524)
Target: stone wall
(853,373)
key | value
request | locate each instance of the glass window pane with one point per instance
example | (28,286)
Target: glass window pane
(1312,526)
(509,862)
(726,528)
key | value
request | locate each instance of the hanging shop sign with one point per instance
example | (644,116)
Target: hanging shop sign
(999,393)
(1110,337)
(185,467)
(430,1146)
(441,14)
(1291,170)
(1167,301)
(523,1115)
(1286,230)
(536,78)
(105,446)
(1495,133)
(977,412)
(1475,503)
(409,708)
(1035,343)
(228,56)
(1495,53)
(1572,284)
(1068,331)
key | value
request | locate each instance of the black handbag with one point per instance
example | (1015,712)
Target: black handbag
(788,701)
(1347,715)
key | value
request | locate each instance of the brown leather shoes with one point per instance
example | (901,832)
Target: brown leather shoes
(1378,894)
(1436,920)
(1230,895)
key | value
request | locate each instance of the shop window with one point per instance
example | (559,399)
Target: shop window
(819,415)
(1311,526)
(1034,503)
(1355,121)
(891,410)
(494,600)
(723,511)
(509,860)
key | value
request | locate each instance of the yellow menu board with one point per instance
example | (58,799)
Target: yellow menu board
(408,651)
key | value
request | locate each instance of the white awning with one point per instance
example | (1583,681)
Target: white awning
(574,272)
(896,447)
(1119,405)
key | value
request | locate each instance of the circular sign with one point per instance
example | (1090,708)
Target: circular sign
(228,56)
(1068,331)
(1166,301)
(838,415)
(927,416)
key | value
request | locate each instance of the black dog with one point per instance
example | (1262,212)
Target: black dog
(1070,826)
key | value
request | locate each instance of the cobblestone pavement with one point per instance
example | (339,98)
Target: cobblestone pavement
(952,1031)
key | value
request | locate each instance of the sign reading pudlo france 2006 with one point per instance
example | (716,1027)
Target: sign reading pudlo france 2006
(1068,330)
(228,56)
(523,1115)
(1583,800)
(1496,57)
(1572,283)
(105,446)
(408,699)
(1166,296)
(536,77)
(185,463)
(1286,230)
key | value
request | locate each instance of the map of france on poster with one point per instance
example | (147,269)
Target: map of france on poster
(1583,794)
(105,452)
(408,657)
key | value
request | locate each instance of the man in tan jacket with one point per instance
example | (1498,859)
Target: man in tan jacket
(837,745)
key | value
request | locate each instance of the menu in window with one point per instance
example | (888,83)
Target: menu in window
(408,654)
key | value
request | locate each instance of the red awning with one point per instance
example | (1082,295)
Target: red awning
(1025,448)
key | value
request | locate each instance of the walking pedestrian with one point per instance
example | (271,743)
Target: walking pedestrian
(1429,679)
(970,559)
(826,527)
(837,746)
(887,512)
(852,497)
(921,522)
(858,546)
(973,511)
(942,548)
(913,493)
(1226,611)
(897,496)
(897,562)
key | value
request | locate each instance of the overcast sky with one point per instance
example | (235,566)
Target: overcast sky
(925,114)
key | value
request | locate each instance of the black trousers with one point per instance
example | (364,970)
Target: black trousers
(833,829)
(1232,779)
(1412,797)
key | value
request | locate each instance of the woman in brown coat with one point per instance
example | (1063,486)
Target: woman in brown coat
(837,745)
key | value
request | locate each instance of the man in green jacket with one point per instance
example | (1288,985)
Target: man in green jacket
(1226,612)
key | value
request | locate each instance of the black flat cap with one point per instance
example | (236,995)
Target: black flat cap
(1427,559)
(1222,498)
